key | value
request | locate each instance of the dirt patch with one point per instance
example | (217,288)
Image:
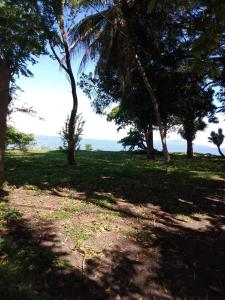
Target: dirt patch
(125,251)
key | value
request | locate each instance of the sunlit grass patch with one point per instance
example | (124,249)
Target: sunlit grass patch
(138,235)
(79,233)
(78,207)
(60,214)
(199,215)
(183,218)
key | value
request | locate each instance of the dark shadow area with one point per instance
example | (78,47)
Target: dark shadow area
(176,264)
(165,261)
(180,188)
(29,268)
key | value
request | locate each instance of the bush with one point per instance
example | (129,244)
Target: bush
(18,140)
(88,147)
(79,125)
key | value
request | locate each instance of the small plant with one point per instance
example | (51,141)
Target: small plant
(79,128)
(63,264)
(79,234)
(217,139)
(88,147)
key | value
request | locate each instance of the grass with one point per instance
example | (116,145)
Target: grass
(21,263)
(102,177)
(79,234)
(122,175)
(142,236)
(87,204)
(60,215)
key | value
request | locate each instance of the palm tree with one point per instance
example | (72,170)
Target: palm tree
(106,35)
(217,139)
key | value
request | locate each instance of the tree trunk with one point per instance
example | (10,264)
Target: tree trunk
(189,148)
(156,108)
(4,101)
(68,68)
(149,143)
(220,152)
(124,11)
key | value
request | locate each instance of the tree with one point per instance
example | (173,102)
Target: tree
(193,104)
(112,29)
(16,50)
(88,147)
(18,139)
(79,125)
(188,132)
(217,139)
(140,134)
(57,18)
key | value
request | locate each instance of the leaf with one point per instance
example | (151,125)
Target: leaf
(151,6)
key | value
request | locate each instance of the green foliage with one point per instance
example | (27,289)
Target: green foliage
(134,140)
(23,260)
(63,264)
(151,6)
(189,129)
(217,139)
(89,147)
(79,128)
(18,140)
(16,47)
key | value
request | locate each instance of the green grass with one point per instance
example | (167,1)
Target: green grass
(79,233)
(177,188)
(142,236)
(60,214)
(183,188)
(23,262)
(63,264)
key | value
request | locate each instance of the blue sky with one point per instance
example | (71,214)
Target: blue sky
(48,92)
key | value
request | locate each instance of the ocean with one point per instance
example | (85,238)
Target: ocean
(54,142)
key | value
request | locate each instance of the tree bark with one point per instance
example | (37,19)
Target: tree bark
(156,108)
(189,148)
(4,102)
(124,8)
(149,143)
(72,124)
(220,152)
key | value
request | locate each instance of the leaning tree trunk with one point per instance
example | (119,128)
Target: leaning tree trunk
(4,101)
(123,11)
(189,148)
(156,108)
(68,68)
(149,143)
(72,130)
(220,152)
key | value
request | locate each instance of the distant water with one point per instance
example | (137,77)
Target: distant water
(54,142)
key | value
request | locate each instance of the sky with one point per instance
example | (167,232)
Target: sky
(48,92)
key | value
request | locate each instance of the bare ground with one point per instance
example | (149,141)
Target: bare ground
(122,250)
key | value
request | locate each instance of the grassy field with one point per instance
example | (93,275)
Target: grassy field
(116,227)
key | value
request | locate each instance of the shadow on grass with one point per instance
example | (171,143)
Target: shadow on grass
(173,263)
(185,187)
(29,269)
(167,261)
(176,264)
